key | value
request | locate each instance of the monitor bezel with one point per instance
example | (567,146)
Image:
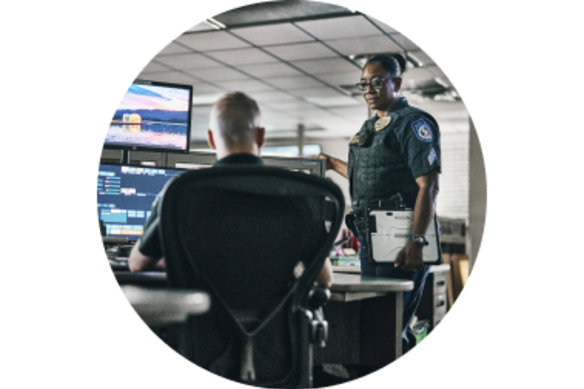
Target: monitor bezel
(189,123)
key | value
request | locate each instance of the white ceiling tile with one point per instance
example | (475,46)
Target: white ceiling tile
(386,22)
(295,82)
(317,92)
(171,77)
(270,70)
(440,74)
(337,28)
(272,34)
(154,67)
(274,95)
(245,86)
(217,74)
(173,48)
(339,101)
(213,40)
(327,66)
(345,78)
(245,56)
(206,89)
(294,107)
(302,51)
(187,61)
(405,42)
(365,45)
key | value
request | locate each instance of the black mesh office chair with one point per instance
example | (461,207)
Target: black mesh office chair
(240,233)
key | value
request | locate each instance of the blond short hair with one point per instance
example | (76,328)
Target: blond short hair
(236,118)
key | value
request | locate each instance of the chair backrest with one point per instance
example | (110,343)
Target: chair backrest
(242,234)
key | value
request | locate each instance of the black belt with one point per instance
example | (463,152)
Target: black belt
(362,204)
(393,202)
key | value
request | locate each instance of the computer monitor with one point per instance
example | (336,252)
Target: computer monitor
(199,159)
(152,116)
(125,195)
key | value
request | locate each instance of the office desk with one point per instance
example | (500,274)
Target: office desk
(365,321)
(433,304)
(156,309)
(364,315)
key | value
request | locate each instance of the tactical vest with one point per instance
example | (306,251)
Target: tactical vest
(377,167)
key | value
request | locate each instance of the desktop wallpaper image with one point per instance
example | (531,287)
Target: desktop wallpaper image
(151,116)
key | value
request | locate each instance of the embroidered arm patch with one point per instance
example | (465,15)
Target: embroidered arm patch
(422,130)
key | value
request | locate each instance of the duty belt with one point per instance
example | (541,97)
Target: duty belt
(394,202)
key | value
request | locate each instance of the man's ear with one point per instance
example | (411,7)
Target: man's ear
(210,139)
(260,136)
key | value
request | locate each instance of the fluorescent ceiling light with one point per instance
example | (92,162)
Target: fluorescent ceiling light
(216,24)
(441,82)
(414,60)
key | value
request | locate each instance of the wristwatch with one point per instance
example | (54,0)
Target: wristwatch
(420,240)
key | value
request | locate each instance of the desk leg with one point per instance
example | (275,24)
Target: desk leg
(381,330)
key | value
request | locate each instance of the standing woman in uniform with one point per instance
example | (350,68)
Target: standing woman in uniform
(396,151)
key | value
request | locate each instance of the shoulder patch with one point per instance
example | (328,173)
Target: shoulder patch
(432,156)
(422,130)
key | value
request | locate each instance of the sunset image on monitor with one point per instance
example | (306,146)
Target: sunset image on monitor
(153,117)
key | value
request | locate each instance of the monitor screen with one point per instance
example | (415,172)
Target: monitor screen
(125,195)
(152,116)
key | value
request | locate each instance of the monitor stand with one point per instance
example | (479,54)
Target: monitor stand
(125,157)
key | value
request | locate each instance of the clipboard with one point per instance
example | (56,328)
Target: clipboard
(389,232)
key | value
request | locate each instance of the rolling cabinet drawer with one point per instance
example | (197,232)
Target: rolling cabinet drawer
(439,301)
(439,281)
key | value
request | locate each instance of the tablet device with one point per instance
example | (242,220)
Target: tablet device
(390,231)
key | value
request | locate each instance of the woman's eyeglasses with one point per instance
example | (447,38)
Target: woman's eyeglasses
(376,84)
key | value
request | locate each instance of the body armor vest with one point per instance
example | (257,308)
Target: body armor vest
(377,166)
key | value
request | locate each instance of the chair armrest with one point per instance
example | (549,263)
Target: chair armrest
(318,297)
(161,306)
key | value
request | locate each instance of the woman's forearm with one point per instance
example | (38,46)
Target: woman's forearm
(339,166)
(423,213)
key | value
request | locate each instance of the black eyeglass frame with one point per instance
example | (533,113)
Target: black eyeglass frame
(362,86)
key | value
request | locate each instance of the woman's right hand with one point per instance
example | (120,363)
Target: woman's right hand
(326,157)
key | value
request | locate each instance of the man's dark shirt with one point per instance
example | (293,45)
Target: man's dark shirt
(150,242)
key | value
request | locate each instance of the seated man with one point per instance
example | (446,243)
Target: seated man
(236,135)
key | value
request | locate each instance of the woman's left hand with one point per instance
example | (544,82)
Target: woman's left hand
(410,257)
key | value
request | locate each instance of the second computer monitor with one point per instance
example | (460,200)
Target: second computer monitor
(125,195)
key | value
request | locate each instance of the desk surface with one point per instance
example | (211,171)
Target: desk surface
(357,269)
(162,306)
(358,283)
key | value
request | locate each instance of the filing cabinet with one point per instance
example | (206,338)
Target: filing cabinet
(434,303)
